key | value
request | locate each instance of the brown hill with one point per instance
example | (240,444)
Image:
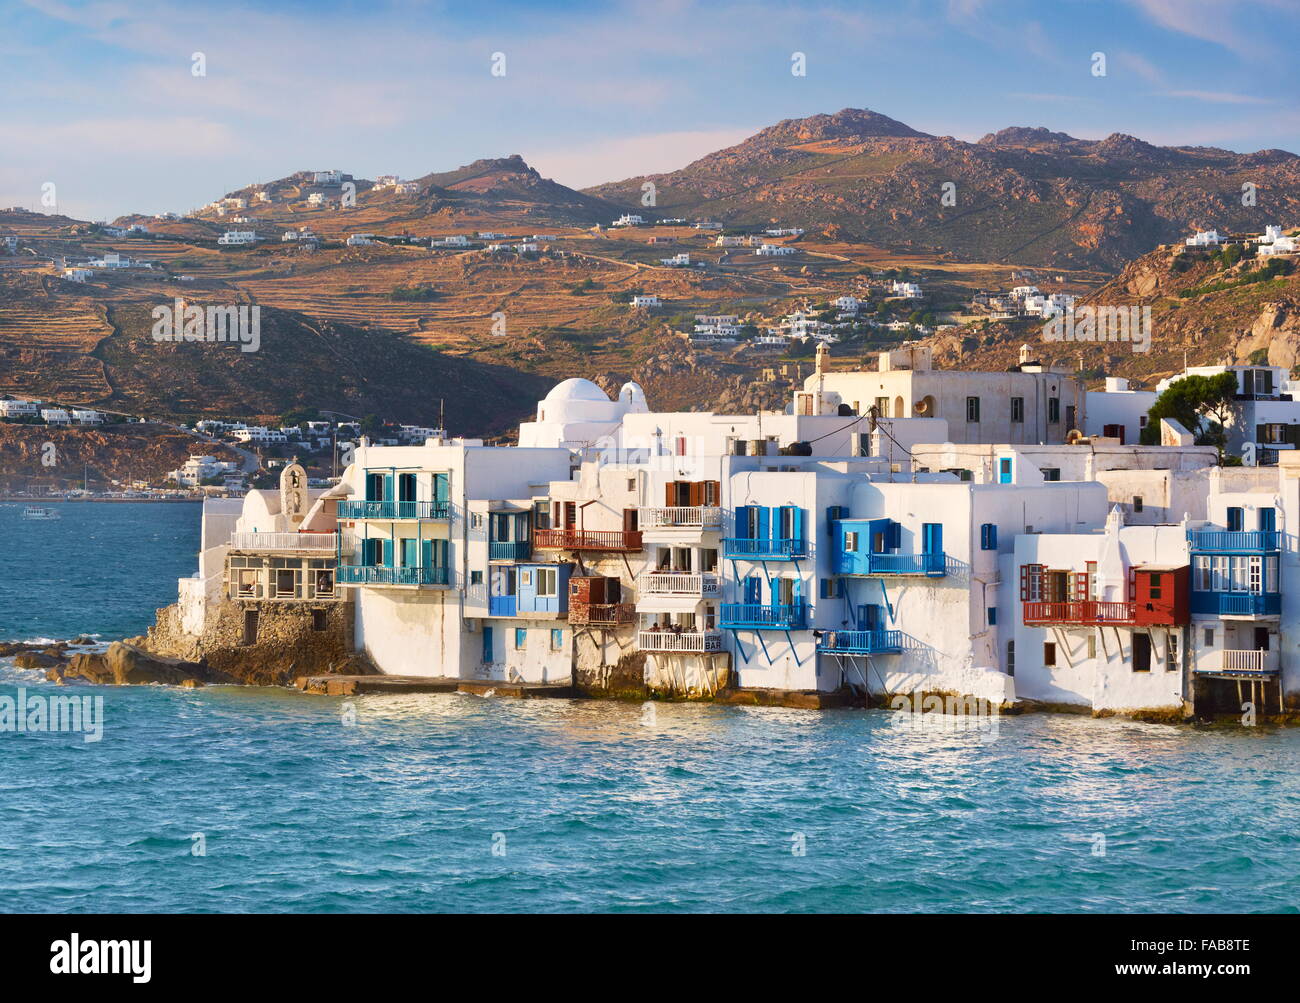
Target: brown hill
(1029,196)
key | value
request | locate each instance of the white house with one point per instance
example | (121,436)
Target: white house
(774,251)
(86,417)
(628,219)
(55,416)
(238,237)
(647,302)
(77,274)
(327,178)
(1203,238)
(682,260)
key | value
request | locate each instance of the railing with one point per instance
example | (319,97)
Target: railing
(1237,603)
(1085,611)
(861,642)
(663,583)
(357,574)
(1246,661)
(587,539)
(394,509)
(687,641)
(681,516)
(934,565)
(753,547)
(601,614)
(502,605)
(1234,540)
(509,550)
(781,616)
(285,541)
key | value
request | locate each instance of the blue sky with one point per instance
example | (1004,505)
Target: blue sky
(100,98)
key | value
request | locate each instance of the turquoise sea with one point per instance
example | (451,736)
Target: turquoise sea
(464,803)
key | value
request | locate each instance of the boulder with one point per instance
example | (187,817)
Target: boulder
(37,660)
(126,664)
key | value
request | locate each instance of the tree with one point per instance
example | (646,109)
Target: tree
(1201,404)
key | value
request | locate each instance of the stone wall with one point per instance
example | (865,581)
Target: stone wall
(287,642)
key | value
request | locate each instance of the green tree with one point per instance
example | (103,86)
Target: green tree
(1201,404)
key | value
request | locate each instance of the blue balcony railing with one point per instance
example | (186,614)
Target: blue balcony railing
(753,548)
(860,563)
(509,550)
(861,642)
(394,510)
(1234,541)
(1237,603)
(359,574)
(781,616)
(502,606)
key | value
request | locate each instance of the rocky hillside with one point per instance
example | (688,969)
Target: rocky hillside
(1206,308)
(1024,195)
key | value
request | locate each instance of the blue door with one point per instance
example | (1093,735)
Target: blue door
(1268,519)
(487,644)
(753,590)
(932,546)
(410,553)
(1004,470)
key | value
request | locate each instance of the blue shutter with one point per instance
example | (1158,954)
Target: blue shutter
(388,487)
(440,487)
(441,547)
(796,523)
(487,644)
(1268,519)
(742,522)
(388,552)
(764,523)
(894,535)
(426,554)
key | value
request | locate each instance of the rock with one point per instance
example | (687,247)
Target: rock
(36,660)
(81,641)
(126,664)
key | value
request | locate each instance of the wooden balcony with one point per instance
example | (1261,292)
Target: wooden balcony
(601,614)
(1080,612)
(615,540)
(687,642)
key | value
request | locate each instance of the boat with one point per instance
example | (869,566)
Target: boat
(39,512)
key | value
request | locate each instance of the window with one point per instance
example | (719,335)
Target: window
(989,536)
(1049,652)
(476,520)
(1171,655)
(521,638)
(972,409)
(1051,473)
(1018,410)
(547,579)
(631,483)
(1141,652)
(1156,586)
(831,588)
(1207,638)
(319,620)
(1053,410)
(557,639)
(850,543)
(1011,658)
(1137,503)
(476,578)
(1235,520)
(993,616)
(541,515)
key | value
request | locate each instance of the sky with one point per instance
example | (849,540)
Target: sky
(102,99)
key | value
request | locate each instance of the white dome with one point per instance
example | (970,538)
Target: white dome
(633,397)
(576,389)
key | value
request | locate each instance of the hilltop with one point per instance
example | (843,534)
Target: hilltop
(1024,195)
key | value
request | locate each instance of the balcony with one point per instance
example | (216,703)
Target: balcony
(1083,612)
(509,550)
(502,606)
(359,574)
(681,517)
(868,563)
(675,583)
(1233,541)
(618,540)
(758,549)
(396,510)
(601,614)
(315,543)
(1240,662)
(755,616)
(687,642)
(861,642)
(1237,603)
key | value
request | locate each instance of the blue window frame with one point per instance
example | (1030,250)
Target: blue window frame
(557,639)
(521,638)
(989,536)
(1236,520)
(993,616)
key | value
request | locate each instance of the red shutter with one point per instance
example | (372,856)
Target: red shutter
(670,494)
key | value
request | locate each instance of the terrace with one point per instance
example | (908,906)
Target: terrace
(395,510)
(357,574)
(616,540)
(756,616)
(861,642)
(687,642)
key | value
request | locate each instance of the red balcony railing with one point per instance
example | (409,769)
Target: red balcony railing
(587,539)
(1083,611)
